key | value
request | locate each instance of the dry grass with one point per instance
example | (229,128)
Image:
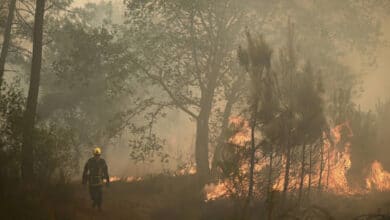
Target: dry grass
(159,198)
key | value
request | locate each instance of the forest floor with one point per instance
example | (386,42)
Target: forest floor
(160,198)
(165,198)
(171,198)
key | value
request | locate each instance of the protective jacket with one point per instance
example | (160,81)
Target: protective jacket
(95,171)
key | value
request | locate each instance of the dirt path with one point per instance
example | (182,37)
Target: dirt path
(119,202)
(147,200)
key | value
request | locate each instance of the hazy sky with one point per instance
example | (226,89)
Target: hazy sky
(376,84)
(376,81)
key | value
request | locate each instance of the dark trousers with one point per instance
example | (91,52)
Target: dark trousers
(96,193)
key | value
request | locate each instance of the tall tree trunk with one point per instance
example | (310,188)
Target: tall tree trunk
(270,181)
(269,200)
(222,137)
(6,39)
(321,168)
(328,171)
(252,159)
(302,173)
(32,99)
(310,170)
(231,100)
(287,173)
(202,137)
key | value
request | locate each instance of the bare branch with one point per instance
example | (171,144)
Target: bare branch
(21,50)
(26,11)
(29,7)
(49,7)
(25,23)
(165,88)
(10,70)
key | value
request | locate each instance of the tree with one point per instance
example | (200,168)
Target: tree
(312,122)
(300,126)
(11,115)
(256,60)
(233,91)
(6,38)
(185,58)
(82,76)
(280,96)
(32,99)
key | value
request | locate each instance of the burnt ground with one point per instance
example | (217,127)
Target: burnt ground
(165,198)
(169,198)
(158,198)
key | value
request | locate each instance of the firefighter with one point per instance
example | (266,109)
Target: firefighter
(95,171)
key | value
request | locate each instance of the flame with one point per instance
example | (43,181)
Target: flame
(336,164)
(192,170)
(127,179)
(114,179)
(242,136)
(130,179)
(378,179)
(216,191)
(336,131)
(187,169)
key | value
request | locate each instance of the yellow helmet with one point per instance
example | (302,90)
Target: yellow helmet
(97,151)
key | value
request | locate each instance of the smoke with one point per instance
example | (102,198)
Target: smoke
(376,77)
(179,131)
(175,128)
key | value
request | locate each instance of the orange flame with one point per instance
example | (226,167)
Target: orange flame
(378,179)
(114,179)
(127,179)
(336,164)
(215,191)
(242,136)
(187,169)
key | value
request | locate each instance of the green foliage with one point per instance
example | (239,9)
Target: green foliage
(311,120)
(84,85)
(102,80)
(57,156)
(11,117)
(55,153)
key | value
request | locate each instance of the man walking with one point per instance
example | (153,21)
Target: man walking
(95,171)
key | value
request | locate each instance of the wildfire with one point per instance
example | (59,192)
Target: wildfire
(192,170)
(114,179)
(187,169)
(338,162)
(215,191)
(378,179)
(336,180)
(127,179)
(130,179)
(335,165)
(242,136)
